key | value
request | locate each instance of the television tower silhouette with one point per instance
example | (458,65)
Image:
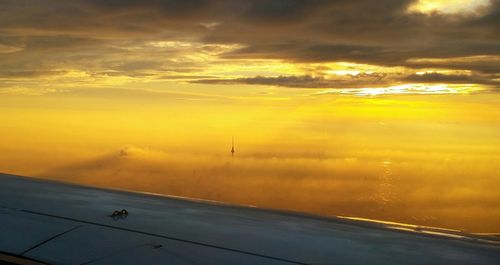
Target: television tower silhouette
(232,148)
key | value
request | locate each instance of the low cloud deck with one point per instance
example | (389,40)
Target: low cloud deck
(58,223)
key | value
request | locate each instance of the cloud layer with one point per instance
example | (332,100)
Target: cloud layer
(157,39)
(427,193)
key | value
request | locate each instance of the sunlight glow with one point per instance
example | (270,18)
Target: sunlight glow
(422,89)
(354,108)
(448,6)
(343,72)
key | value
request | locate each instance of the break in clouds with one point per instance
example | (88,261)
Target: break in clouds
(200,41)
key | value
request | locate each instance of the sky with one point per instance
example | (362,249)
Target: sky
(375,109)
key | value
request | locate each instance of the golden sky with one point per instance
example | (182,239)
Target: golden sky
(375,109)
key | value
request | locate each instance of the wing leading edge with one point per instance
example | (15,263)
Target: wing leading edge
(57,223)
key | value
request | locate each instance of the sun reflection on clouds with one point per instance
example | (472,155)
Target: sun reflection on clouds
(343,72)
(413,89)
(466,59)
(448,6)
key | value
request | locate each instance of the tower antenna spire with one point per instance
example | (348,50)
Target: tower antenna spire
(232,147)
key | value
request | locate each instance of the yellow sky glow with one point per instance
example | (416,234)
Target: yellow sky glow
(385,112)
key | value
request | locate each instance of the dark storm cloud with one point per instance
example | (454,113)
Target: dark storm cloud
(372,32)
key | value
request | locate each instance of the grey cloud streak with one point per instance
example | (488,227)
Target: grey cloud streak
(457,79)
(305,81)
(355,81)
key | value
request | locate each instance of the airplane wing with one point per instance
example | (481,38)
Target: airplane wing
(46,222)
